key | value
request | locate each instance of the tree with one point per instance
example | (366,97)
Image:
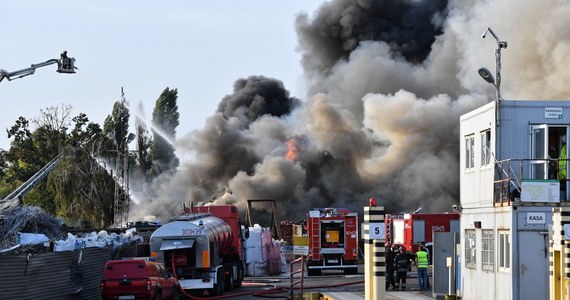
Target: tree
(81,186)
(117,125)
(30,151)
(165,119)
(143,160)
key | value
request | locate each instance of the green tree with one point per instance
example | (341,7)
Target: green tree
(143,160)
(116,126)
(30,151)
(165,119)
(82,189)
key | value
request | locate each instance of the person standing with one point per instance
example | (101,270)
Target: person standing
(402,263)
(422,243)
(390,254)
(422,264)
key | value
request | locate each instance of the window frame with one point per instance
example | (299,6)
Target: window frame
(488,250)
(485,148)
(470,151)
(504,242)
(470,249)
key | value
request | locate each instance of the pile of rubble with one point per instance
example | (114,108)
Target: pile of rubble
(29,229)
(26,219)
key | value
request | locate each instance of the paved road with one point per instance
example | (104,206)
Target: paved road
(332,285)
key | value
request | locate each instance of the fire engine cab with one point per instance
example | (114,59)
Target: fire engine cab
(409,230)
(333,240)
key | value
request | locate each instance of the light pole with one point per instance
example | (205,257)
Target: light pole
(486,74)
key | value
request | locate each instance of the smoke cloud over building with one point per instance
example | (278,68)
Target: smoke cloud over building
(388,81)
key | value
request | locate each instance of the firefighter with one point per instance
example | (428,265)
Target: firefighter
(402,263)
(390,254)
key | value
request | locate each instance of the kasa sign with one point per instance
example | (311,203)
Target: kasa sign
(536,218)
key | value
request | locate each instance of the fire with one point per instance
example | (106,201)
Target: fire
(292,150)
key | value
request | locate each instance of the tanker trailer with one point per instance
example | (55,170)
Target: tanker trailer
(203,249)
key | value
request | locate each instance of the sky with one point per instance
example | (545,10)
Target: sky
(199,48)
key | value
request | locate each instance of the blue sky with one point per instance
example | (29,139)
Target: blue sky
(197,47)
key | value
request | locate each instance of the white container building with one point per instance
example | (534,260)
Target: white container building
(510,188)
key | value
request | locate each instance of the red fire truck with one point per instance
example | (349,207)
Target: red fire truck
(333,240)
(409,230)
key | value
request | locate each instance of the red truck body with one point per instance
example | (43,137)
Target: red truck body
(409,230)
(333,240)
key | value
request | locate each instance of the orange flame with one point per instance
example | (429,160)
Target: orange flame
(292,150)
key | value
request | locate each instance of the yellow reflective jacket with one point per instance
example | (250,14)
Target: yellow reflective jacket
(422,257)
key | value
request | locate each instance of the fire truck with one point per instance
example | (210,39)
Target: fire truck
(333,240)
(409,230)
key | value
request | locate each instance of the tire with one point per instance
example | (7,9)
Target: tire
(239,280)
(220,289)
(175,294)
(229,284)
(351,271)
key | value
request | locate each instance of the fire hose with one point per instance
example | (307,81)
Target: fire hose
(260,293)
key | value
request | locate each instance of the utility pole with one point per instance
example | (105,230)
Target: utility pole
(122,196)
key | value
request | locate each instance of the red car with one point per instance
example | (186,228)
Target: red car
(137,279)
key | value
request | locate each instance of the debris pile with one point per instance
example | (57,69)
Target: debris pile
(19,219)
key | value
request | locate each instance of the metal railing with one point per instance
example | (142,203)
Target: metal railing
(510,173)
(293,272)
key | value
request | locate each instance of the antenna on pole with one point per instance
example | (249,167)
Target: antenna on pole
(486,74)
(122,140)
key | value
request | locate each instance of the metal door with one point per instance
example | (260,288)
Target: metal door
(533,265)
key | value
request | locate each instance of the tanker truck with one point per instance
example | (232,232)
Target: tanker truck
(203,248)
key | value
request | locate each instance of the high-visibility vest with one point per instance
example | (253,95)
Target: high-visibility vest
(422,259)
(562,163)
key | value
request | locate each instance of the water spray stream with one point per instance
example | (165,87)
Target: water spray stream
(152,127)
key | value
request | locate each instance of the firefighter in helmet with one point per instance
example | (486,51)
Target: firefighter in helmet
(402,263)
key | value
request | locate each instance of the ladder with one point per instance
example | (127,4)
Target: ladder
(14,197)
(315,233)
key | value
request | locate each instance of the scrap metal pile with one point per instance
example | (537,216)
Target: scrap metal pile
(29,219)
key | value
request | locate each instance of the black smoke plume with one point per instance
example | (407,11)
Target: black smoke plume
(387,82)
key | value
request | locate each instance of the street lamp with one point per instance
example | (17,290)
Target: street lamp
(486,74)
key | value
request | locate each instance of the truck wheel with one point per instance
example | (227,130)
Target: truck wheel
(219,286)
(239,280)
(175,294)
(229,284)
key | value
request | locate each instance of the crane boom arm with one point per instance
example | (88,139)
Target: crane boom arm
(64,65)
